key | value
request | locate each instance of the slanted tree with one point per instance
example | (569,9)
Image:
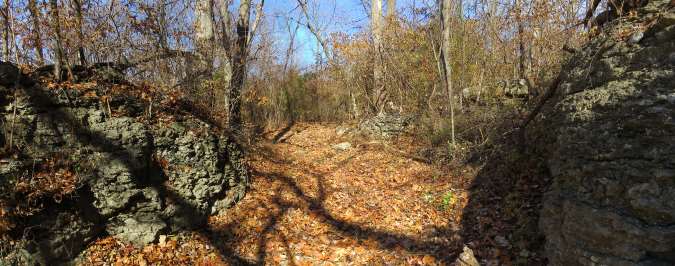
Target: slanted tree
(256,21)
(315,31)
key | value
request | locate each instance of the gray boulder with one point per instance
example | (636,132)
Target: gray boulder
(9,74)
(342,146)
(515,88)
(609,143)
(137,179)
(466,258)
(67,234)
(385,125)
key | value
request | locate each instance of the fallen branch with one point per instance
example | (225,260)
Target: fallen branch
(537,109)
(279,137)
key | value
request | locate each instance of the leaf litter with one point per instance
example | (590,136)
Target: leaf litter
(310,204)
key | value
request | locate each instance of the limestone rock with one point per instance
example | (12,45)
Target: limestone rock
(608,136)
(137,179)
(139,229)
(9,74)
(385,125)
(67,235)
(342,146)
(466,258)
(515,88)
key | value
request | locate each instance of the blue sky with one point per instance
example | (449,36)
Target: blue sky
(330,16)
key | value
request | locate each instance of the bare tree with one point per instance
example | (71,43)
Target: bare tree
(379,96)
(239,57)
(79,19)
(446,15)
(204,35)
(35,31)
(5,30)
(391,9)
(292,33)
(226,26)
(56,27)
(315,31)
(524,52)
(256,22)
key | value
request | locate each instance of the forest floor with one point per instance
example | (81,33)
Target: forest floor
(312,204)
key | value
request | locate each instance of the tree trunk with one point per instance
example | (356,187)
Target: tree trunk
(226,24)
(204,31)
(391,10)
(292,32)
(521,41)
(226,45)
(56,27)
(239,56)
(204,35)
(12,36)
(379,92)
(165,72)
(446,15)
(256,21)
(79,19)
(5,31)
(37,40)
(463,84)
(162,24)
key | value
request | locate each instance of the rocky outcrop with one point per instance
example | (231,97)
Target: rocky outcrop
(514,88)
(610,147)
(137,176)
(385,125)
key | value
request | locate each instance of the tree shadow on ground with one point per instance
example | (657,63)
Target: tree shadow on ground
(500,220)
(316,206)
(218,238)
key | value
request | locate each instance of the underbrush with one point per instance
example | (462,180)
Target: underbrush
(511,181)
(478,129)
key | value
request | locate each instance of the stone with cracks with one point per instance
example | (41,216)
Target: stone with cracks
(608,136)
(385,125)
(137,179)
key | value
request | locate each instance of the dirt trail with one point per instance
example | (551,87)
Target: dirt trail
(310,204)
